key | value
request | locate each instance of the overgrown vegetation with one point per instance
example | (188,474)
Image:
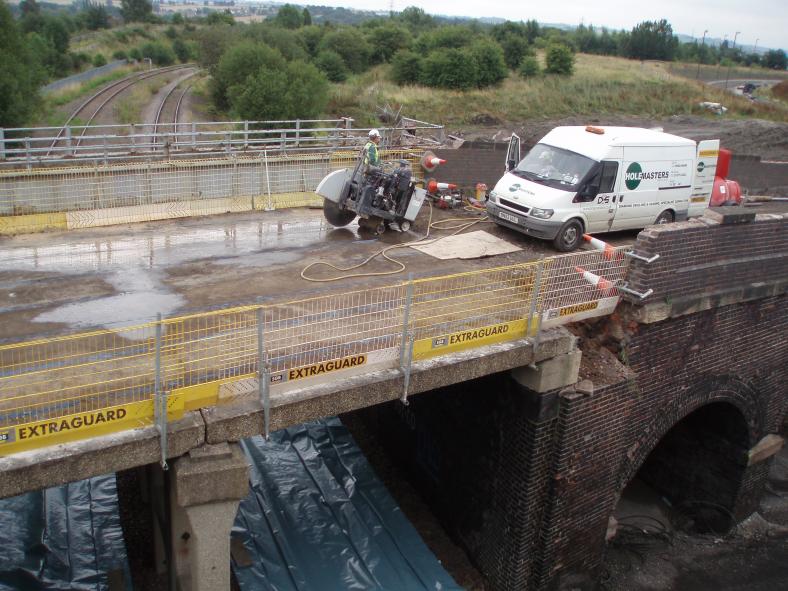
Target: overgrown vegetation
(298,64)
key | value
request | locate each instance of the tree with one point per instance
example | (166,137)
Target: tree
(220,17)
(450,68)
(416,19)
(95,16)
(386,40)
(652,40)
(559,59)
(307,17)
(28,7)
(289,17)
(406,67)
(775,59)
(238,63)
(331,64)
(490,65)
(515,48)
(20,75)
(182,50)
(297,91)
(136,10)
(158,53)
(529,68)
(350,45)
(310,37)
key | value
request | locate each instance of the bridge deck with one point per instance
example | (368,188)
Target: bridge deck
(61,282)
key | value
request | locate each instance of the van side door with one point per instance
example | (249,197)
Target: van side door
(598,200)
(703,179)
(513,153)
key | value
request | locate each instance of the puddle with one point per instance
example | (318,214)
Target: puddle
(140,298)
(165,246)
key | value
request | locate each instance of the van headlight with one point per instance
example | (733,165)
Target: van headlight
(541,213)
(493,196)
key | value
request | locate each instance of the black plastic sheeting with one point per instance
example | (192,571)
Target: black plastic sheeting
(318,518)
(66,537)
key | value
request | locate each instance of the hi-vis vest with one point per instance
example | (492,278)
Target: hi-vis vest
(371,157)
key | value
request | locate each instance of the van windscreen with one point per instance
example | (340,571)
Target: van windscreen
(554,167)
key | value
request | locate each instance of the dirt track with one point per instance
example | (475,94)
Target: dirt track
(753,137)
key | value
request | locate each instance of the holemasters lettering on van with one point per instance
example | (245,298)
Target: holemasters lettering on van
(590,180)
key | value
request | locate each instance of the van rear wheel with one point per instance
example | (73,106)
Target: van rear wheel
(666,217)
(569,236)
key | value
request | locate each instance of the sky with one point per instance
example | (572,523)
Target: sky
(764,20)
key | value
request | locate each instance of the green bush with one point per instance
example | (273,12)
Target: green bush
(135,54)
(559,59)
(182,50)
(238,63)
(406,67)
(529,67)
(331,64)
(349,44)
(120,55)
(159,54)
(99,60)
(515,49)
(450,68)
(490,64)
(296,91)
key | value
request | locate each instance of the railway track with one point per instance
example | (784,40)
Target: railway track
(170,108)
(94,104)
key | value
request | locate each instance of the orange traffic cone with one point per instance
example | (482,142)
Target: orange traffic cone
(600,283)
(434,186)
(430,161)
(608,251)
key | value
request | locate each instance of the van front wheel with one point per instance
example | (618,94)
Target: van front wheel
(569,236)
(666,217)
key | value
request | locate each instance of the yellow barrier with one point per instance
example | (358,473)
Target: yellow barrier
(55,390)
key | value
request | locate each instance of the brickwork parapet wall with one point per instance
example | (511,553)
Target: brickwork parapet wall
(705,256)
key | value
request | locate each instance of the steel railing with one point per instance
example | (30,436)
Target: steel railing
(32,146)
(50,385)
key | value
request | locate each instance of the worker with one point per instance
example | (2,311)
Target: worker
(371,156)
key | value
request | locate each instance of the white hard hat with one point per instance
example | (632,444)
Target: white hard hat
(374,133)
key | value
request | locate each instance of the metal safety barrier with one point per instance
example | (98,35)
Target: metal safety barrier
(33,146)
(89,196)
(83,385)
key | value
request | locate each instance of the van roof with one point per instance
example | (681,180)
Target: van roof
(595,145)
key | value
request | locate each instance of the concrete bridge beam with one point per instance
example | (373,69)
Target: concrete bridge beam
(209,483)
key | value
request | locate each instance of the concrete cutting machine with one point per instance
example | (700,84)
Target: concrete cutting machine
(379,195)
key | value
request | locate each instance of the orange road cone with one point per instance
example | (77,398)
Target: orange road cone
(430,161)
(608,251)
(600,283)
(434,186)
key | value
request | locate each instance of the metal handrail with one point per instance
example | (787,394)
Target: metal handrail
(31,146)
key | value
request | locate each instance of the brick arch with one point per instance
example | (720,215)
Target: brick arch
(740,394)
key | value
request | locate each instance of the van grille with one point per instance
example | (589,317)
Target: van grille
(514,205)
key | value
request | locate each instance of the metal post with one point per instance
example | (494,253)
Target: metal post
(68,140)
(263,375)
(538,310)
(194,135)
(234,188)
(104,137)
(160,398)
(535,295)
(27,153)
(148,184)
(406,342)
(246,135)
(298,132)
(2,143)
(270,205)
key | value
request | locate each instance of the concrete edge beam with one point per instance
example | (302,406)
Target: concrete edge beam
(59,464)
(243,417)
(676,307)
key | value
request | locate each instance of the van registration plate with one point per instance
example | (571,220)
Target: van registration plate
(508,217)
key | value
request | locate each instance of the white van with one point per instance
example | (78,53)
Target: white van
(580,180)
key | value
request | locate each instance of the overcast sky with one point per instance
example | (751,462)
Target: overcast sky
(766,20)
